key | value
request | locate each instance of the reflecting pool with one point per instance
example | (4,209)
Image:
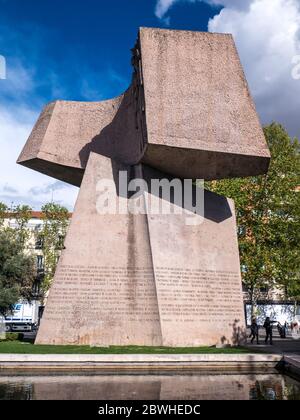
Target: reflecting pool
(149,387)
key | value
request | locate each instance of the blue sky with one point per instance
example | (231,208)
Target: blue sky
(80,50)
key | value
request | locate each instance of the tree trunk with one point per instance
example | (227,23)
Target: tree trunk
(252,302)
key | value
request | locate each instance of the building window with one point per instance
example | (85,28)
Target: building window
(241,230)
(39,243)
(40,263)
(245,288)
(264,289)
(36,287)
(60,242)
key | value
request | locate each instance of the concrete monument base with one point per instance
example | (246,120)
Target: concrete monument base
(144,279)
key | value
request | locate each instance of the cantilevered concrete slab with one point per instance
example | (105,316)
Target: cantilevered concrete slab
(188,112)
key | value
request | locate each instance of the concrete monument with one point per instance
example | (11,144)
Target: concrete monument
(144,278)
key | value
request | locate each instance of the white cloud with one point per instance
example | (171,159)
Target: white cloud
(91,88)
(19,79)
(163,6)
(22,96)
(267,37)
(267,34)
(15,88)
(20,106)
(20,185)
(235,4)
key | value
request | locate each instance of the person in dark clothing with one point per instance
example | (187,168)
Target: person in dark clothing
(284,329)
(254,331)
(269,331)
(279,328)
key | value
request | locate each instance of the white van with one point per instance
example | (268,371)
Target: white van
(25,317)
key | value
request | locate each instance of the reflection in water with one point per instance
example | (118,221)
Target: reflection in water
(149,387)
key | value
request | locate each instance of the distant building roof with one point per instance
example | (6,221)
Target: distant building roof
(34,215)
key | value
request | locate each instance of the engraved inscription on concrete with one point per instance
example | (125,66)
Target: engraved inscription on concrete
(109,296)
(142,284)
(198,280)
(198,295)
(99,293)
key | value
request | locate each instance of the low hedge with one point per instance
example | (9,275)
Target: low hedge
(12,336)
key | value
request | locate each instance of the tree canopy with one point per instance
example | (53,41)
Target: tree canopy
(52,235)
(17,271)
(268,213)
(18,267)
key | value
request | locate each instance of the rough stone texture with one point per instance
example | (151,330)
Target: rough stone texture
(104,291)
(152,279)
(188,112)
(201,120)
(61,132)
(197,276)
(145,279)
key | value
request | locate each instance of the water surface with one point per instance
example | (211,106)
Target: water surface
(149,387)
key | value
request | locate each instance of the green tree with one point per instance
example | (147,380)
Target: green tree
(267,209)
(284,209)
(17,271)
(52,235)
(3,212)
(22,215)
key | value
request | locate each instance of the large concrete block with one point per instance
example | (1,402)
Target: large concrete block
(103,291)
(63,129)
(200,117)
(188,112)
(145,279)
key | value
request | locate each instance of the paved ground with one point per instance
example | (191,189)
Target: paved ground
(249,363)
(280,345)
(288,347)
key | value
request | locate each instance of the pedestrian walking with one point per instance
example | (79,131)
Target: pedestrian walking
(254,331)
(269,331)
